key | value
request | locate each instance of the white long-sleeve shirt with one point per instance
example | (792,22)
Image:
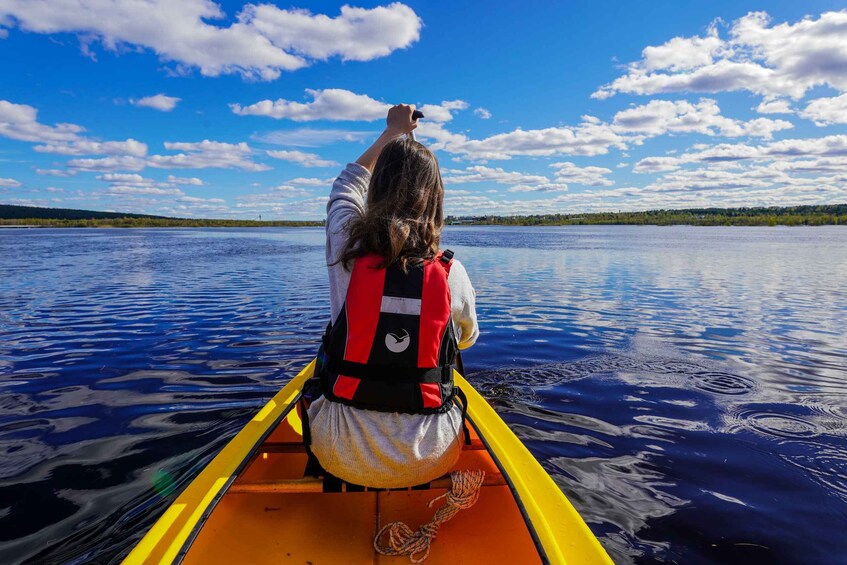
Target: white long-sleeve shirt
(384,449)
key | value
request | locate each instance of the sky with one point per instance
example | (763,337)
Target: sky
(243,110)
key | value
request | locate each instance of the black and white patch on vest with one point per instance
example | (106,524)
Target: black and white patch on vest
(397,342)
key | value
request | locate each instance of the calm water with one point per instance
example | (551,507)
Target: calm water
(686,387)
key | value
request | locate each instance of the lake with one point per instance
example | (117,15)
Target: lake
(686,387)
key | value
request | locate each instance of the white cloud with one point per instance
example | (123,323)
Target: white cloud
(777,106)
(594,137)
(122,177)
(709,179)
(159,102)
(207,154)
(128,189)
(544,187)
(195,155)
(657,164)
(726,154)
(272,201)
(55,172)
(115,163)
(44,203)
(442,112)
(681,53)
(278,202)
(289,191)
(308,137)
(9,183)
(827,111)
(332,104)
(487,174)
(337,104)
(586,139)
(128,183)
(133,183)
(829,146)
(664,116)
(357,34)
(786,172)
(784,60)
(482,113)
(190,207)
(699,188)
(20,122)
(130,147)
(568,172)
(261,42)
(522,182)
(196,200)
(815,165)
(301,181)
(302,158)
(192,181)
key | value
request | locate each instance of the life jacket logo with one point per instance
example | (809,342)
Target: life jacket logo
(397,343)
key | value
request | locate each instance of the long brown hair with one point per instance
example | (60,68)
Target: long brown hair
(404,215)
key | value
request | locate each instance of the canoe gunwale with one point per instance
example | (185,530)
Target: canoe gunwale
(542,553)
(198,527)
(534,490)
(159,544)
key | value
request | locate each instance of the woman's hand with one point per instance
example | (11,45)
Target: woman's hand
(399,120)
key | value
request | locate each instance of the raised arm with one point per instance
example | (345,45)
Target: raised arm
(347,197)
(399,122)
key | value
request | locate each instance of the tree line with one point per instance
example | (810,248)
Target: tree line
(67,218)
(830,214)
(833,214)
(153,223)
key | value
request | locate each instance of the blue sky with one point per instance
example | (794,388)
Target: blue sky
(234,110)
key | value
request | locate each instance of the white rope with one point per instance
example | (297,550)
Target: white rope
(463,494)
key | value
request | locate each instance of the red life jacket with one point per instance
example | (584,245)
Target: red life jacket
(393,346)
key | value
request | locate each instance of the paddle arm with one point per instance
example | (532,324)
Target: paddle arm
(402,120)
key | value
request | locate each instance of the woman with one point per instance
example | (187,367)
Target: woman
(400,306)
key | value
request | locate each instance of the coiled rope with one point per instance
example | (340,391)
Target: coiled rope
(463,494)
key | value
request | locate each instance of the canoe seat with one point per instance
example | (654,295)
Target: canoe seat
(297,447)
(319,484)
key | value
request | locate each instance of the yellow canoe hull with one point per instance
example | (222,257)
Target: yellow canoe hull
(252,504)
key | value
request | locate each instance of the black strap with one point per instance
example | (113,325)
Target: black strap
(447,255)
(461,395)
(388,373)
(304,419)
(460,365)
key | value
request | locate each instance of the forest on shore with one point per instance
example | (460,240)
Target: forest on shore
(67,218)
(831,214)
(834,214)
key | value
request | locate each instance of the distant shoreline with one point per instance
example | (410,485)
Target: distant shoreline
(832,214)
(34,223)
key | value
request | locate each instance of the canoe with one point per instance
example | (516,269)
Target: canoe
(254,504)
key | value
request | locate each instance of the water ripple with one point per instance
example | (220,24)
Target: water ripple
(777,425)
